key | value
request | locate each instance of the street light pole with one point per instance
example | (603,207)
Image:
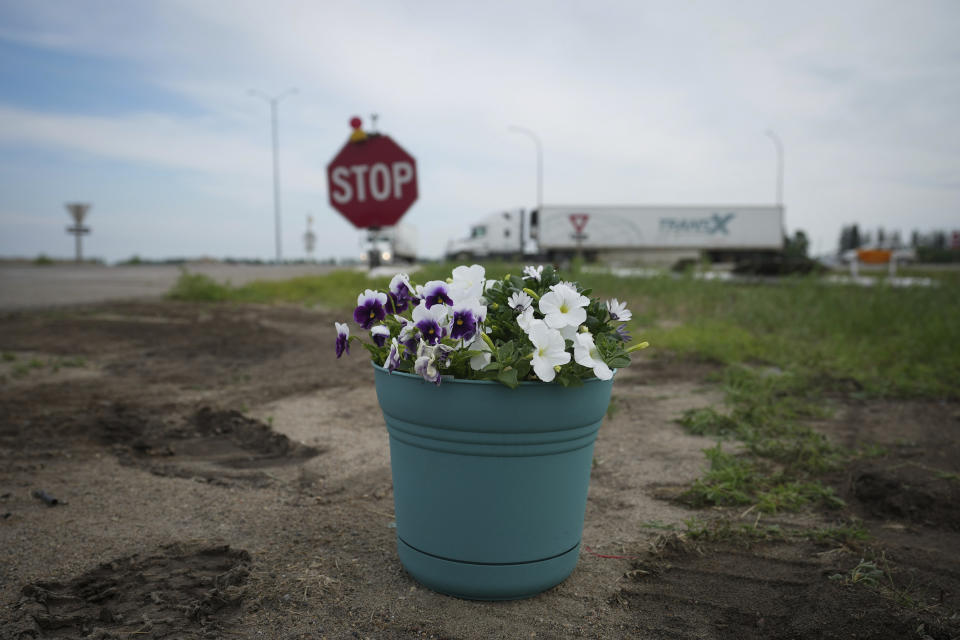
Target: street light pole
(273,101)
(536,141)
(779,145)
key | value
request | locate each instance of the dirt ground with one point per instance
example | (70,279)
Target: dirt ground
(218,474)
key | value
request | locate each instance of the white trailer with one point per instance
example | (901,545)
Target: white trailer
(658,234)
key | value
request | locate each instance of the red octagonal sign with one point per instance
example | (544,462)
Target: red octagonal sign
(372,182)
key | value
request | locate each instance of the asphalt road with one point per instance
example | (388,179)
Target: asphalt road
(25,286)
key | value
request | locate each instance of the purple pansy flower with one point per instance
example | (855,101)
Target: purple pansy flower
(436,292)
(343,338)
(379,333)
(393,358)
(400,292)
(429,360)
(408,336)
(463,324)
(370,308)
(430,321)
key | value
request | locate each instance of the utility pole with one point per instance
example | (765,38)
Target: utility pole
(273,101)
(779,146)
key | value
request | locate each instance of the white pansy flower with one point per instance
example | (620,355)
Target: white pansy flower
(400,285)
(548,350)
(519,300)
(481,360)
(585,353)
(618,310)
(563,306)
(429,359)
(438,313)
(407,331)
(467,283)
(533,272)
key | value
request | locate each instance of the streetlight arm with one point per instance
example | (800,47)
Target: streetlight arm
(256,93)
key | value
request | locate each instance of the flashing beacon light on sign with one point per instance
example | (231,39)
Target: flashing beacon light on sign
(358,134)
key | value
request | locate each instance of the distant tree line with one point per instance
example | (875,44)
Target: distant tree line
(934,246)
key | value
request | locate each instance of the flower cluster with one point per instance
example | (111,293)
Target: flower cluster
(534,327)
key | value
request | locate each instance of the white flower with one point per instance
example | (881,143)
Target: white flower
(467,283)
(585,353)
(519,300)
(618,310)
(548,350)
(480,361)
(568,332)
(526,318)
(563,306)
(533,272)
(564,283)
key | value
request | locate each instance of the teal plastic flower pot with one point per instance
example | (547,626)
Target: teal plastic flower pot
(490,483)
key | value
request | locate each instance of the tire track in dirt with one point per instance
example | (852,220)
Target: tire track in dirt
(180,592)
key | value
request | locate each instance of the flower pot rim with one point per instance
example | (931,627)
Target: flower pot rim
(450,379)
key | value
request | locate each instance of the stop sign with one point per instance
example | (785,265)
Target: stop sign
(372,182)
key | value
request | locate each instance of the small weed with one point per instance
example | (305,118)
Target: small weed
(866,573)
(874,572)
(851,534)
(725,530)
(708,421)
(872,450)
(736,480)
(197,287)
(24,368)
(9,357)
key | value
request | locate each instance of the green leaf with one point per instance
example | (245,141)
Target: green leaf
(509,378)
(619,362)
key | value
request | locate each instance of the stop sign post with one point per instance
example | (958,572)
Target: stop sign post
(372,181)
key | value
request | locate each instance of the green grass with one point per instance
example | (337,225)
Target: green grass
(336,290)
(881,341)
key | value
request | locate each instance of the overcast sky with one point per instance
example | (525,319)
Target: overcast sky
(141,108)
